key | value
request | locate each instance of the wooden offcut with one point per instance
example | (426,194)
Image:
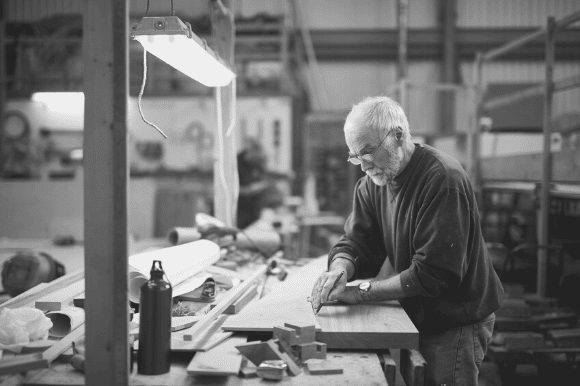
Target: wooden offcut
(223,359)
(28,298)
(375,325)
(257,352)
(323,368)
(61,298)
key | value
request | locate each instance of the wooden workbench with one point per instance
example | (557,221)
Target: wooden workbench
(360,366)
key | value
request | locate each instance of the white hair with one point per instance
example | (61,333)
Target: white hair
(380,114)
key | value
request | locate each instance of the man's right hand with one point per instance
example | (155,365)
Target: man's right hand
(325,284)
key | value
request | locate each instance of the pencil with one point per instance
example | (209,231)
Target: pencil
(333,287)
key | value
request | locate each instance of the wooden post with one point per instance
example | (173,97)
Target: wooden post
(403,25)
(225,172)
(547,161)
(3,82)
(473,145)
(105,41)
(448,72)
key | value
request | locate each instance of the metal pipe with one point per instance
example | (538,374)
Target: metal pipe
(509,46)
(514,97)
(547,161)
(566,84)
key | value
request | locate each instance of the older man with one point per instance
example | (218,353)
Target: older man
(415,212)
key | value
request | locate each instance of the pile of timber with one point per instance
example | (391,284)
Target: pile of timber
(53,296)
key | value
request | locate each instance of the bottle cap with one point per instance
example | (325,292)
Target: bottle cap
(157,270)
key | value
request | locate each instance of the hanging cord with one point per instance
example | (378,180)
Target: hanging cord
(172,11)
(147,9)
(141,93)
(223,180)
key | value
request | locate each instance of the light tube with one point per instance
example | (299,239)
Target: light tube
(172,41)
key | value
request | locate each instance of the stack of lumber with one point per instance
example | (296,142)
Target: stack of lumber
(53,296)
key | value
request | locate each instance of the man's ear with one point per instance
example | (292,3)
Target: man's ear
(398,133)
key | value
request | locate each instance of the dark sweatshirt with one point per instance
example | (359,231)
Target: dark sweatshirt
(427,223)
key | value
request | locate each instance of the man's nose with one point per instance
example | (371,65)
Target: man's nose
(366,165)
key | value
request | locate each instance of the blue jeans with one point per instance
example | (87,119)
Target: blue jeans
(453,357)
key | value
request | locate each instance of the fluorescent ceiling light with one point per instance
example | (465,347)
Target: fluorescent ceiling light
(172,41)
(61,101)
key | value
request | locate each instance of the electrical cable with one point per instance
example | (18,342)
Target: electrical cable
(143,88)
(220,147)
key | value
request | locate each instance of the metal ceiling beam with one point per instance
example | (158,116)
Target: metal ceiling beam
(382,44)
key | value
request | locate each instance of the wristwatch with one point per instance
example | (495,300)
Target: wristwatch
(364,289)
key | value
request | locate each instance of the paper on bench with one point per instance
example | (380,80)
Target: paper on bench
(181,264)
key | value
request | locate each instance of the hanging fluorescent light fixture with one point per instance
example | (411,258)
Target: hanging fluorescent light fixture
(173,41)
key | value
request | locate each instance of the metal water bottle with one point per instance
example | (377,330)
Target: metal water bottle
(154,323)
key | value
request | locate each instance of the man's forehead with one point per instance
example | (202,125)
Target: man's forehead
(359,141)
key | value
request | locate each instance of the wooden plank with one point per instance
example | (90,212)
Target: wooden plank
(105,41)
(241,302)
(34,361)
(183,341)
(22,363)
(227,299)
(61,298)
(62,345)
(224,359)
(377,325)
(26,299)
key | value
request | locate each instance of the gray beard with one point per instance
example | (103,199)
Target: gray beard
(387,174)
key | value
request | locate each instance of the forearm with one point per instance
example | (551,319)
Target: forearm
(387,289)
(344,264)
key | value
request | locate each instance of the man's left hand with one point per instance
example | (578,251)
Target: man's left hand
(350,295)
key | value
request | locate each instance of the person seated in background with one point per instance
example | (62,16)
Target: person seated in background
(256,192)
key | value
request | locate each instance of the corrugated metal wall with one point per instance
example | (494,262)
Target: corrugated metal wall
(511,13)
(29,10)
(532,72)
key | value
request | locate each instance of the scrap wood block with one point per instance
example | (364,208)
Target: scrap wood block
(61,298)
(568,337)
(324,367)
(248,370)
(23,363)
(314,350)
(304,333)
(284,347)
(286,334)
(221,360)
(258,352)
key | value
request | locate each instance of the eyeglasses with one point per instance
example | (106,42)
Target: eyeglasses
(356,159)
